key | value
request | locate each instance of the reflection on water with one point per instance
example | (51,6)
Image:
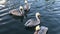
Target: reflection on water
(50,16)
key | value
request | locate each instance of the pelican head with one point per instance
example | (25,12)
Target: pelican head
(26,1)
(38,15)
(21,8)
(37,28)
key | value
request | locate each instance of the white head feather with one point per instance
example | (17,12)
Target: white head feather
(37,28)
(20,7)
(26,1)
(37,14)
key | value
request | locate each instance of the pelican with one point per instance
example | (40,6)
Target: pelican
(19,12)
(16,12)
(33,22)
(26,6)
(40,30)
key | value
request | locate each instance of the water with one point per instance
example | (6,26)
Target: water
(50,16)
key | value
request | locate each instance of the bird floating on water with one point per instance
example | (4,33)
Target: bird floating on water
(19,12)
(33,22)
(26,6)
(40,30)
(16,12)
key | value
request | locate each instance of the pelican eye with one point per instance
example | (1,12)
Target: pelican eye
(39,16)
(21,9)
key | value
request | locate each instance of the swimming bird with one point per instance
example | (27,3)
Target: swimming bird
(33,22)
(26,7)
(40,30)
(19,12)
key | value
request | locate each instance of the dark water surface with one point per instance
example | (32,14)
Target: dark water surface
(50,16)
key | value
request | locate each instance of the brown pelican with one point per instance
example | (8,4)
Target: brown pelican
(33,22)
(40,30)
(16,12)
(26,7)
(19,12)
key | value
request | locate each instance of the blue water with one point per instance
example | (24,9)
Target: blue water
(50,16)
